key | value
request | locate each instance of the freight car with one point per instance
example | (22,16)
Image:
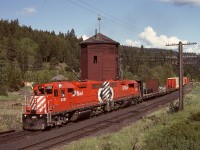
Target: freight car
(173,83)
(57,103)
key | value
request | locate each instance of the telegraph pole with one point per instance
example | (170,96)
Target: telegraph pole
(180,47)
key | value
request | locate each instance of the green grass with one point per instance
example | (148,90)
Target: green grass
(11,96)
(11,110)
(179,131)
(157,131)
(10,115)
(14,96)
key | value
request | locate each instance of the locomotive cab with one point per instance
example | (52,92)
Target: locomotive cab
(37,107)
(46,100)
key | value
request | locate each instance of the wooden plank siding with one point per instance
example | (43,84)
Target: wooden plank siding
(99,60)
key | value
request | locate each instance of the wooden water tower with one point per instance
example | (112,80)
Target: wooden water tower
(99,58)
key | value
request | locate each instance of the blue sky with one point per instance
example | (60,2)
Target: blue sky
(152,23)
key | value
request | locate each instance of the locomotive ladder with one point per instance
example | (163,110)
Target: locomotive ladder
(49,117)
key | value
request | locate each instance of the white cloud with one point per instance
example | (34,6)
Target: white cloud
(130,42)
(85,37)
(150,39)
(192,48)
(183,2)
(27,11)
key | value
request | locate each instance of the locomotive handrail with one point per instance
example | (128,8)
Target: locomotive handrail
(49,112)
(24,110)
(49,106)
(27,100)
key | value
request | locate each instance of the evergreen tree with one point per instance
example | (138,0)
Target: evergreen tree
(144,72)
(27,54)
(3,73)
(14,76)
(45,49)
(23,61)
(159,74)
(53,63)
(14,28)
(72,33)
(38,63)
(1,30)
(11,50)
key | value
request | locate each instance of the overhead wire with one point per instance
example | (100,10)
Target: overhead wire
(96,11)
(82,7)
(113,18)
(106,15)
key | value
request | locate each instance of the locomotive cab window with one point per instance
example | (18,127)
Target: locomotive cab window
(71,90)
(41,90)
(62,93)
(56,93)
(48,89)
(131,85)
(35,92)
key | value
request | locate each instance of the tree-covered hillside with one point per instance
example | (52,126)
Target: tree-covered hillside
(32,55)
(37,56)
(147,63)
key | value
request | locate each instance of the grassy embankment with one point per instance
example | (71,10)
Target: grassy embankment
(158,131)
(11,110)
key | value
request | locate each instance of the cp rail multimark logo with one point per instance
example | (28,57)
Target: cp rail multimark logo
(105,93)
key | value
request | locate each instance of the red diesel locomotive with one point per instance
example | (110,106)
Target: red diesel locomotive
(57,103)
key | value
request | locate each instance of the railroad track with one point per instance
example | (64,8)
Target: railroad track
(12,135)
(6,132)
(87,127)
(98,126)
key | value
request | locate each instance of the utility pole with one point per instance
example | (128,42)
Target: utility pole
(180,47)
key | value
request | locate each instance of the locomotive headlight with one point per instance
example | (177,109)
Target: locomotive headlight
(24,116)
(40,116)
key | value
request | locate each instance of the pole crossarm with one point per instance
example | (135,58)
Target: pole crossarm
(188,43)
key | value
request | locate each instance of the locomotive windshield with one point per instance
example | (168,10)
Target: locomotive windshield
(48,89)
(44,90)
(41,90)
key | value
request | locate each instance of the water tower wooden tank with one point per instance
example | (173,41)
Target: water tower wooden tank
(99,58)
